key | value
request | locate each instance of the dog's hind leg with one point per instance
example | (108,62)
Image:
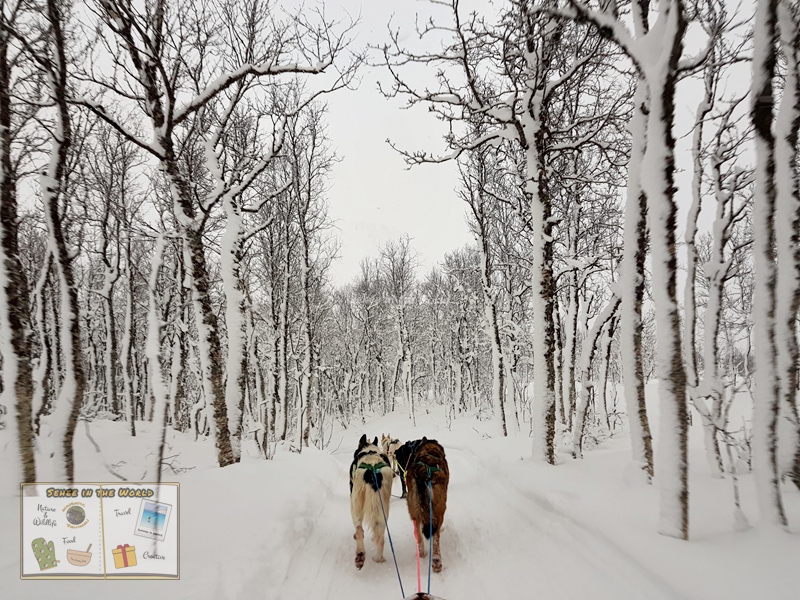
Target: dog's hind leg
(357,512)
(378,530)
(436,559)
(379,525)
(359,538)
(421,538)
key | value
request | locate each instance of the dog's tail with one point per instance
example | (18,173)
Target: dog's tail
(377,497)
(430,523)
(430,530)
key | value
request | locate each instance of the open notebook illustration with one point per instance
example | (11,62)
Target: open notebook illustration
(100,531)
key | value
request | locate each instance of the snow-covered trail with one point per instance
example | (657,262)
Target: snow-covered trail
(494,534)
(514,528)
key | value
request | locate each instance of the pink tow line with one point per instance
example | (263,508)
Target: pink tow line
(419,576)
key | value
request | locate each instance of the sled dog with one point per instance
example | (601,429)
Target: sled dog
(370,475)
(390,446)
(423,461)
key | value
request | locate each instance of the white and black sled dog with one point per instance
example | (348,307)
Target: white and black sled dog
(370,483)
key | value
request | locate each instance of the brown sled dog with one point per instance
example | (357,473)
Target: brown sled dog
(422,461)
(370,475)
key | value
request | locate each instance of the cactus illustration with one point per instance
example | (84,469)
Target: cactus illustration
(45,553)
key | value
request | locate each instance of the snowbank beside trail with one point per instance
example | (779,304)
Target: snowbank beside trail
(514,528)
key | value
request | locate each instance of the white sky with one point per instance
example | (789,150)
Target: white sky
(373,197)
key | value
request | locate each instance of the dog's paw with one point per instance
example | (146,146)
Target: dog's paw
(436,564)
(423,551)
(359,560)
(379,559)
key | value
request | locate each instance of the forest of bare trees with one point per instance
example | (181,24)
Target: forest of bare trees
(166,243)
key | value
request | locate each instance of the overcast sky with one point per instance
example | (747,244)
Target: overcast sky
(373,196)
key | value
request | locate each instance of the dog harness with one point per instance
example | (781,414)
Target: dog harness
(373,468)
(429,468)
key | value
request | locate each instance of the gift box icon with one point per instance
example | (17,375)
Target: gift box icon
(124,556)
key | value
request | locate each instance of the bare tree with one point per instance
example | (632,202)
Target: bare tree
(529,69)
(475,177)
(310,162)
(168,51)
(397,263)
(50,53)
(660,71)
(601,323)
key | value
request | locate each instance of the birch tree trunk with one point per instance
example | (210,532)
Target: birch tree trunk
(127,341)
(64,418)
(43,375)
(767,384)
(15,323)
(493,333)
(542,283)
(658,167)
(712,311)
(155,361)
(235,364)
(605,352)
(634,250)
(306,363)
(601,323)
(283,341)
(787,218)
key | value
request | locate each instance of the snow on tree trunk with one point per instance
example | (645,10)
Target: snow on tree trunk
(180,352)
(632,288)
(15,328)
(601,323)
(64,418)
(493,333)
(405,361)
(155,369)
(304,414)
(542,285)
(125,351)
(208,345)
(283,341)
(710,387)
(230,253)
(261,416)
(709,395)
(787,219)
(767,385)
(689,301)
(558,364)
(41,391)
(176,388)
(605,353)
(571,338)
(658,182)
(543,394)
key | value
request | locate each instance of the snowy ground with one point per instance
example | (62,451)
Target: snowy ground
(513,528)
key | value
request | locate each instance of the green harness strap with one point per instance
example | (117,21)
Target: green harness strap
(429,469)
(373,468)
(421,464)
